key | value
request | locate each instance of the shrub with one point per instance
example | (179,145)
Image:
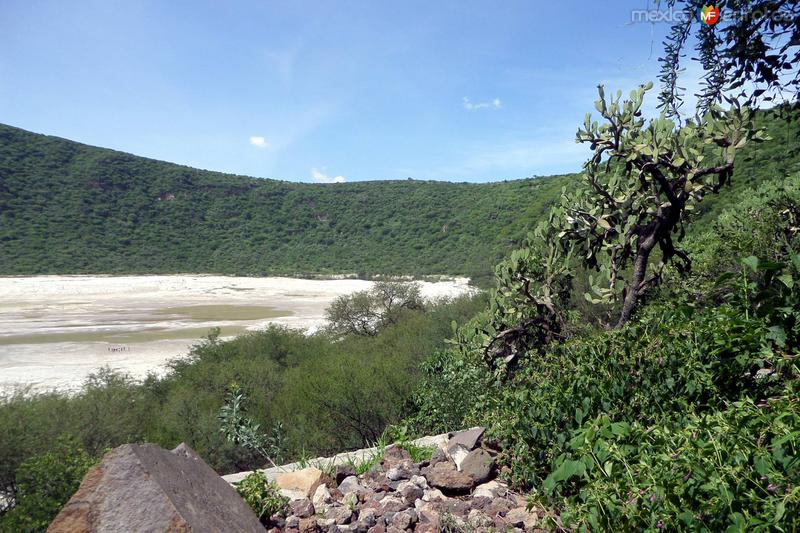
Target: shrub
(44,483)
(737,469)
(262,496)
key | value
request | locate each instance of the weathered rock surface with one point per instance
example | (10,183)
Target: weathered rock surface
(142,487)
(303,481)
(478,465)
(445,476)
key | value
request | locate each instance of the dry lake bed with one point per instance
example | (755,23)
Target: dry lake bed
(56,330)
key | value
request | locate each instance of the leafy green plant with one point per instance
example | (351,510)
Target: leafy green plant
(241,430)
(736,469)
(44,484)
(262,496)
(640,182)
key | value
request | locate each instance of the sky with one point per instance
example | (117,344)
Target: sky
(325,91)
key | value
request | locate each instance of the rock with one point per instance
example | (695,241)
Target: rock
(478,465)
(302,508)
(478,518)
(351,484)
(321,499)
(325,523)
(520,517)
(340,515)
(377,528)
(309,525)
(439,456)
(405,519)
(445,476)
(304,481)
(344,471)
(433,495)
(469,439)
(460,444)
(420,481)
(492,489)
(392,504)
(410,492)
(368,517)
(350,500)
(142,487)
(393,455)
(427,514)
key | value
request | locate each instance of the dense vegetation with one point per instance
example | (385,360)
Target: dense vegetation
(70,208)
(309,394)
(686,417)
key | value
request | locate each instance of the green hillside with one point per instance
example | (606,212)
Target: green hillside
(66,207)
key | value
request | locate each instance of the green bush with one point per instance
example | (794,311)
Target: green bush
(262,496)
(736,469)
(44,483)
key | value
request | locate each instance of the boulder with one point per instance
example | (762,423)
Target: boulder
(445,476)
(478,465)
(303,481)
(142,487)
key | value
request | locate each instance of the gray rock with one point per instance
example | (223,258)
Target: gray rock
(445,476)
(302,508)
(142,487)
(368,517)
(405,519)
(351,484)
(392,504)
(478,465)
(478,518)
(410,492)
(492,489)
(340,514)
(322,499)
(469,439)
(325,523)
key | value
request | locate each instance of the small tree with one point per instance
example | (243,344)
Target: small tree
(367,312)
(639,184)
(752,51)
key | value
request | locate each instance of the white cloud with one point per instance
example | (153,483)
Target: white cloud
(259,142)
(320,177)
(472,106)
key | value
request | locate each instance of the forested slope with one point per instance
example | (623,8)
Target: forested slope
(69,208)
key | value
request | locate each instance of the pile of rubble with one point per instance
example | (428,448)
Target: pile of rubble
(455,490)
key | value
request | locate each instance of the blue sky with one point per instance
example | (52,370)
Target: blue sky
(317,91)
